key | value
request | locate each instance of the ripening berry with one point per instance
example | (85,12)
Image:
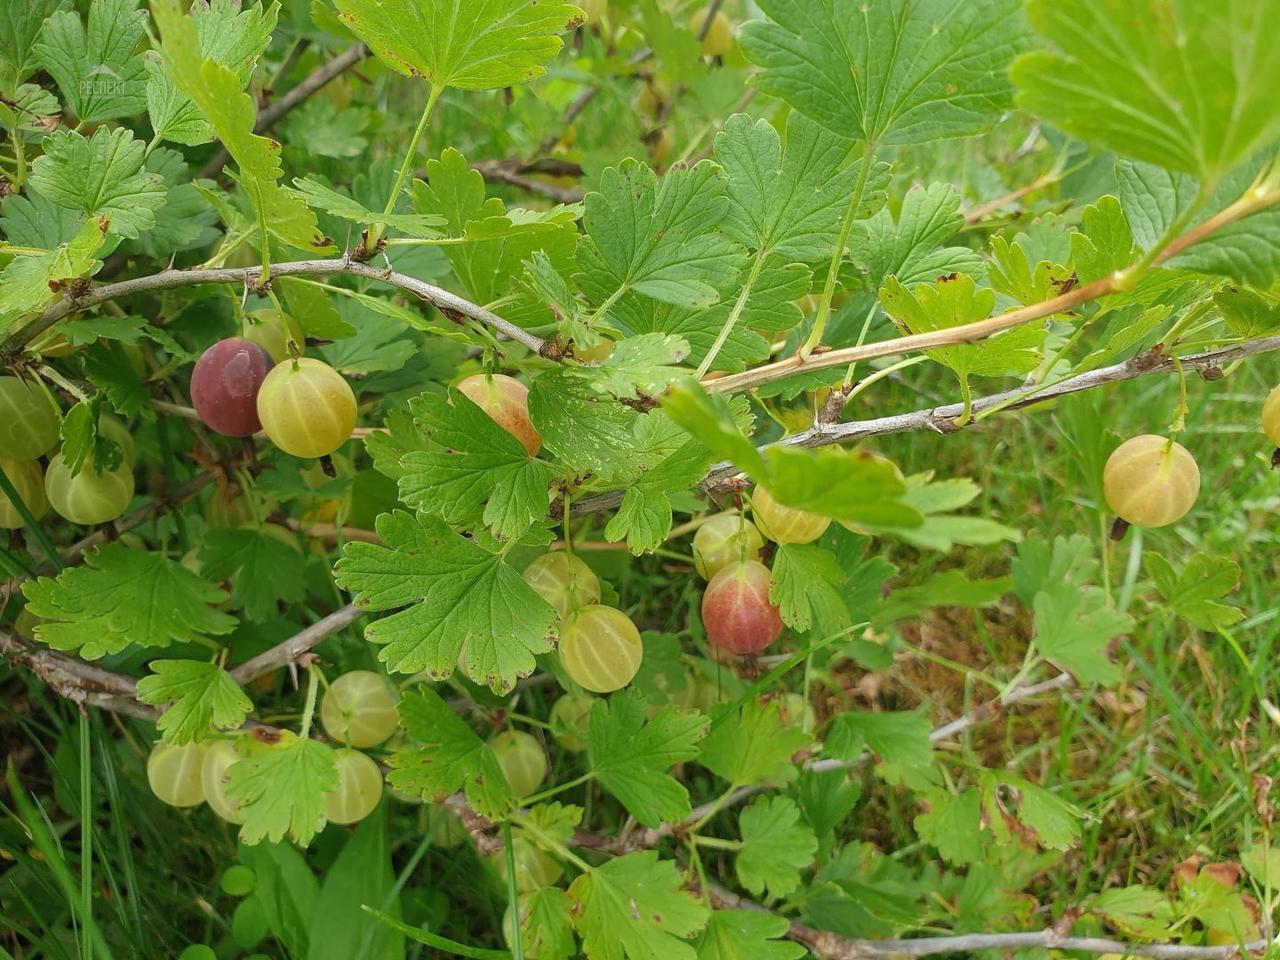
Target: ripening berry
(218,758)
(601,649)
(1271,416)
(306,408)
(506,401)
(274,333)
(597,354)
(718,39)
(359,788)
(446,830)
(736,610)
(1150,481)
(570,719)
(29,421)
(89,497)
(783,524)
(522,761)
(359,709)
(174,773)
(28,480)
(724,539)
(113,429)
(534,867)
(563,580)
(225,383)
(796,711)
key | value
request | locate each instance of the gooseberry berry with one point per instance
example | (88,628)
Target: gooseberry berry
(274,333)
(600,648)
(506,401)
(307,409)
(173,772)
(113,429)
(29,421)
(718,40)
(724,539)
(563,580)
(219,755)
(1271,416)
(522,761)
(783,524)
(736,610)
(225,384)
(1150,481)
(534,867)
(359,709)
(597,354)
(89,497)
(28,480)
(359,787)
(570,719)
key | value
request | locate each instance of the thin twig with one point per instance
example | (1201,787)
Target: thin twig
(944,419)
(448,303)
(290,650)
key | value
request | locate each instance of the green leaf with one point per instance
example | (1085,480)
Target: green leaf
(447,756)
(546,931)
(99,70)
(631,757)
(111,602)
(641,365)
(806,586)
(746,935)
(953,301)
(498,242)
(263,569)
(464,606)
(215,90)
(474,471)
(845,485)
(348,208)
(635,907)
(776,846)
(29,283)
(1106,243)
(942,529)
(951,588)
(1135,911)
(1010,272)
(658,237)
(892,72)
(1176,83)
(228,35)
(1054,822)
(753,744)
(590,433)
(100,177)
(1074,625)
(900,738)
(791,202)
(470,44)
(280,788)
(1041,565)
(910,246)
(20,26)
(953,824)
(340,928)
(1194,592)
(200,695)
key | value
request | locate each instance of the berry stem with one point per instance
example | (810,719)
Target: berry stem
(309,708)
(375,230)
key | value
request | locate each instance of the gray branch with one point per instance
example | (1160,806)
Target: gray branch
(447,303)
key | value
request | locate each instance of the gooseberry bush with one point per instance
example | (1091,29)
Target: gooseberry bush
(489,462)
